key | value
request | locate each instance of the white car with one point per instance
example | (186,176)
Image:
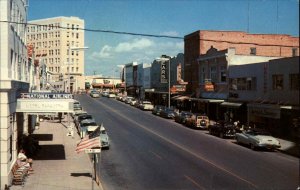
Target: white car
(257,139)
(146,105)
(86,127)
(104,138)
(111,95)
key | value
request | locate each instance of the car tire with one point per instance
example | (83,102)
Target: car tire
(252,146)
(221,135)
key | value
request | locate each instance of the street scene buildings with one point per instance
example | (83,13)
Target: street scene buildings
(226,75)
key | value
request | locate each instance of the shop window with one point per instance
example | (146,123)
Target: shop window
(294,81)
(252,51)
(277,82)
(294,52)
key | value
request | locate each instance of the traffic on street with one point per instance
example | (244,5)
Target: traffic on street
(151,152)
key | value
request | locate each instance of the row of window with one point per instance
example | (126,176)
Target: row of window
(57,69)
(54,26)
(56,34)
(249,83)
(57,61)
(294,51)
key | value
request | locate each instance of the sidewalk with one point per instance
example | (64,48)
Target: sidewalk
(57,166)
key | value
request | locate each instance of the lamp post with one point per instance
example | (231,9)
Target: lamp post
(71,49)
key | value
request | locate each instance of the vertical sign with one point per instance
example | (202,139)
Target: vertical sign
(163,72)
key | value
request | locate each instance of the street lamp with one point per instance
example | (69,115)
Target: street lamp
(70,49)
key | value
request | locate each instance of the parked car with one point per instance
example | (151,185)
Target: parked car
(104,138)
(182,117)
(111,95)
(222,129)
(104,94)
(157,109)
(82,117)
(257,138)
(94,94)
(86,126)
(198,121)
(146,105)
(128,99)
(77,106)
(78,113)
(168,113)
(132,101)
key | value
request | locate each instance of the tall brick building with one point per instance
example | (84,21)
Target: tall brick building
(199,42)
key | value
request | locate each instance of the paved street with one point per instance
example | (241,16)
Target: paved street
(149,152)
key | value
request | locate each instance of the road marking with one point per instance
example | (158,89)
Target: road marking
(194,182)
(181,147)
(159,157)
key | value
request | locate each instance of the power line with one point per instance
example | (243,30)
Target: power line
(98,30)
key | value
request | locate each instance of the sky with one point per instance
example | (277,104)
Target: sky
(162,17)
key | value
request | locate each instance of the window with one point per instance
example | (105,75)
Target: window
(252,51)
(277,82)
(247,83)
(294,81)
(213,74)
(294,52)
(223,74)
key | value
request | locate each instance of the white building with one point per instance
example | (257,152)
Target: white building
(16,73)
(52,39)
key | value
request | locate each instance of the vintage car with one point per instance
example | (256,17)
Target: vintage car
(222,129)
(257,138)
(94,94)
(168,113)
(77,106)
(198,121)
(146,105)
(157,109)
(182,117)
(82,117)
(86,126)
(104,138)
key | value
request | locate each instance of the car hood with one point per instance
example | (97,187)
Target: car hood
(266,139)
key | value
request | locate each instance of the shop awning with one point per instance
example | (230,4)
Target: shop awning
(45,105)
(207,100)
(231,104)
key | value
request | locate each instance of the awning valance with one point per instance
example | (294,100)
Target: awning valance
(231,104)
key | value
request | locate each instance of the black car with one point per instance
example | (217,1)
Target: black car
(82,117)
(222,129)
(167,113)
(182,116)
(157,109)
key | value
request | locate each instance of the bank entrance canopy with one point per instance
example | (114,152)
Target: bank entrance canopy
(45,103)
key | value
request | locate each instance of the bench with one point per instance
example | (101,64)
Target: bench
(19,174)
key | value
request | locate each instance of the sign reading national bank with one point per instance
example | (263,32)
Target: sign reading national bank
(45,103)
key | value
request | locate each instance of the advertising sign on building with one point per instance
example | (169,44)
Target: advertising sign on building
(163,73)
(209,87)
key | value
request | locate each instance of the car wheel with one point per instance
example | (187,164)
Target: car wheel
(252,146)
(222,135)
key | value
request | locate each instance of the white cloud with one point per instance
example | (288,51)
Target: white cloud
(136,44)
(104,53)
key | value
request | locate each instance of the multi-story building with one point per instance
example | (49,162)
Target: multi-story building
(199,42)
(163,69)
(270,90)
(143,79)
(130,77)
(16,73)
(57,43)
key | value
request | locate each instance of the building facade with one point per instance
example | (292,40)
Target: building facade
(199,42)
(16,73)
(56,43)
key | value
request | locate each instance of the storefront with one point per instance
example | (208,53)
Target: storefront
(233,111)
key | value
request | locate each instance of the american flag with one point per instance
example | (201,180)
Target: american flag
(90,141)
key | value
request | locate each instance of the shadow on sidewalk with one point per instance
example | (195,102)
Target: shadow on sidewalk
(51,152)
(81,174)
(42,137)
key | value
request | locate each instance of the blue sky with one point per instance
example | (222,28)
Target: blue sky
(162,17)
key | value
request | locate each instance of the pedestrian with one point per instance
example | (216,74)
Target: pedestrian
(24,161)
